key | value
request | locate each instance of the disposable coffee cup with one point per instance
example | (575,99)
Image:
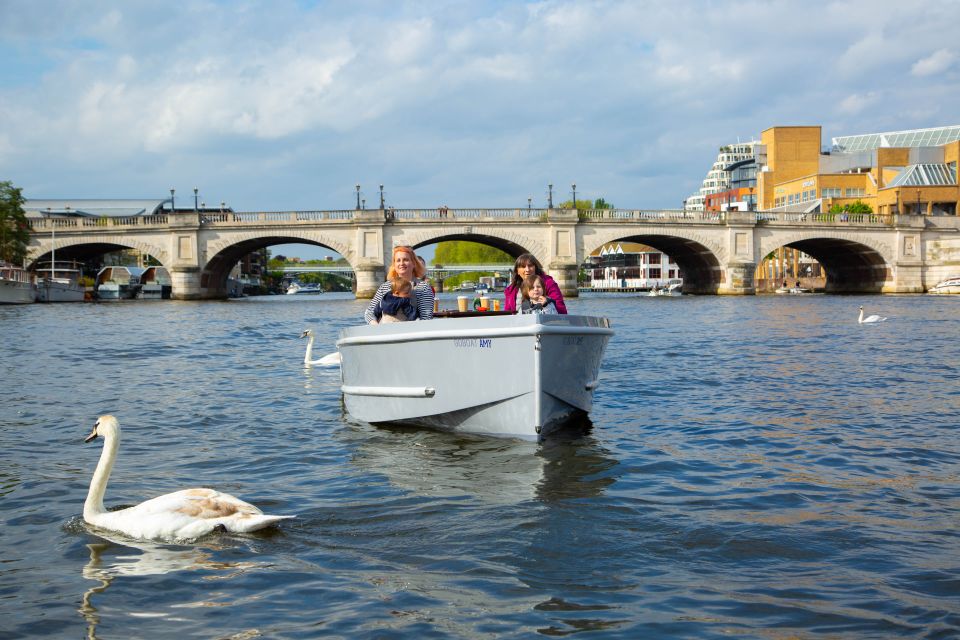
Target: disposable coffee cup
(496,305)
(485,302)
(462,302)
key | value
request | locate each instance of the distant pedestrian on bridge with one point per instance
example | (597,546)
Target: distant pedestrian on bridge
(525,268)
(404,265)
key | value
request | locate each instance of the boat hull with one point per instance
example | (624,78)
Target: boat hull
(57,290)
(950,286)
(519,376)
(14,292)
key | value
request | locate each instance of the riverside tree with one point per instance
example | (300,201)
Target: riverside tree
(14,227)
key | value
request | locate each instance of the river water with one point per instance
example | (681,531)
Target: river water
(758,467)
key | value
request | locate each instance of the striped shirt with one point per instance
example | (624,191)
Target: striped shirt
(421,291)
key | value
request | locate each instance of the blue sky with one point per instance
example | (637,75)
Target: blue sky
(287,105)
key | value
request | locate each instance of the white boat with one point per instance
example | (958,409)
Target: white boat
(520,376)
(60,284)
(155,284)
(792,290)
(948,286)
(17,285)
(118,282)
(673,288)
(299,288)
(468,285)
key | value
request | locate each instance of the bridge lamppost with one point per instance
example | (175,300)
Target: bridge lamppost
(550,196)
(918,202)
(529,203)
(574,187)
(358,195)
(381,197)
(195,200)
(172,208)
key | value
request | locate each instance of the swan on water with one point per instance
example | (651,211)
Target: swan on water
(869,319)
(182,515)
(329,360)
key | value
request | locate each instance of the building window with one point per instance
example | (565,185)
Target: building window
(854,193)
(655,274)
(831,192)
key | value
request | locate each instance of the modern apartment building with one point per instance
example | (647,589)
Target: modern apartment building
(718,179)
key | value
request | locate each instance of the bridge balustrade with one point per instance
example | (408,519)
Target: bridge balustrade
(862,219)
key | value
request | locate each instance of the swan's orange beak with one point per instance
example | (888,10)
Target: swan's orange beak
(93,434)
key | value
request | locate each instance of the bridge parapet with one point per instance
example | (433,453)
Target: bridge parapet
(829,219)
(651,215)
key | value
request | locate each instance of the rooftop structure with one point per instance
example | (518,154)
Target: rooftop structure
(934,137)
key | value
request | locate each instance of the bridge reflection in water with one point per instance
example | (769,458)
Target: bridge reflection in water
(717,252)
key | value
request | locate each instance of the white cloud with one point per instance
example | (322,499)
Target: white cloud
(427,98)
(856,103)
(937,62)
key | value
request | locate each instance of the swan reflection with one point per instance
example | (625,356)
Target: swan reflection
(118,557)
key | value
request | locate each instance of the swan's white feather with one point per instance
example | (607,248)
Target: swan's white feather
(329,360)
(181,515)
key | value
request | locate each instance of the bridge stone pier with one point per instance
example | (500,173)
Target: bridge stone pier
(717,253)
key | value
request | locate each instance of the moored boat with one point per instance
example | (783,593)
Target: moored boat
(299,288)
(948,286)
(17,285)
(118,282)
(508,375)
(59,283)
(155,284)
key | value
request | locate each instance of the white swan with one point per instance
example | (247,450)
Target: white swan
(868,319)
(182,515)
(329,360)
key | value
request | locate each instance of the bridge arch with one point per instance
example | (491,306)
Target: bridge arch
(511,243)
(69,249)
(222,254)
(853,263)
(700,260)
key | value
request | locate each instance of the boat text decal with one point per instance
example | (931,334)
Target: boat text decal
(482,343)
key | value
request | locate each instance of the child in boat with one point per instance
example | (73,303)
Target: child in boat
(397,306)
(535,299)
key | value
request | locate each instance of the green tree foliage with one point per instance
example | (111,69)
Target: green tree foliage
(583,205)
(463,252)
(857,207)
(14,227)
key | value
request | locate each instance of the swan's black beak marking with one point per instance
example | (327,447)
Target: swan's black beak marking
(303,335)
(93,434)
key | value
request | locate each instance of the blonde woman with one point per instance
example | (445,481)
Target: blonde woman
(406,266)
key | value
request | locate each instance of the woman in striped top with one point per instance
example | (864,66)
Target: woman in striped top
(404,265)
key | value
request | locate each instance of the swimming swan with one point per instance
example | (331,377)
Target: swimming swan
(181,515)
(329,360)
(868,319)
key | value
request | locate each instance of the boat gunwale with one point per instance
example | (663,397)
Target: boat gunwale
(502,332)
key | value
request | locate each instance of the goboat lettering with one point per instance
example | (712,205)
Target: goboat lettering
(482,343)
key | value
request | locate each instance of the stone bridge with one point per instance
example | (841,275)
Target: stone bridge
(717,252)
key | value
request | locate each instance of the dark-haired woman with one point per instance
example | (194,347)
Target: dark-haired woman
(525,268)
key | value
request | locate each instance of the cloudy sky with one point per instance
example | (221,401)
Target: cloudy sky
(288,104)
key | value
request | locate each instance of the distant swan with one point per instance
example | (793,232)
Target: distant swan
(868,319)
(329,360)
(182,515)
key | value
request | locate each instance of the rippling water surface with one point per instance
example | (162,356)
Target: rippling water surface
(757,467)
